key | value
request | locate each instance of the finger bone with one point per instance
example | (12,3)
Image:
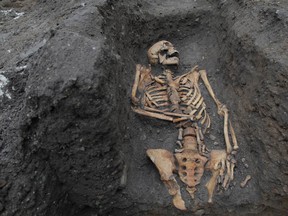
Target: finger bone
(245,181)
(180,135)
(179,143)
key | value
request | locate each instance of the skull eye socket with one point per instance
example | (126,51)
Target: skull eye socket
(184,174)
(163,52)
(184,159)
(184,167)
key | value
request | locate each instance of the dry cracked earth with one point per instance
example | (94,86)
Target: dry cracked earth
(69,142)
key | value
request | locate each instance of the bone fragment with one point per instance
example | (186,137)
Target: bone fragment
(184,98)
(209,88)
(159,96)
(150,98)
(183,124)
(245,181)
(187,74)
(234,139)
(227,176)
(161,99)
(152,87)
(190,92)
(232,171)
(158,80)
(178,150)
(163,104)
(179,119)
(148,102)
(193,112)
(135,100)
(179,143)
(194,93)
(184,88)
(184,80)
(207,124)
(153,115)
(157,89)
(208,121)
(201,134)
(199,115)
(193,96)
(171,61)
(198,136)
(167,113)
(180,134)
(204,118)
(226,133)
(197,99)
(200,102)
(191,191)
(211,184)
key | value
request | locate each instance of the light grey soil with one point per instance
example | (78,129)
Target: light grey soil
(69,141)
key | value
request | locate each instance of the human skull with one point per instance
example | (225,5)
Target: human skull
(163,52)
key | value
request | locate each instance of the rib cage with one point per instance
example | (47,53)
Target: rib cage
(155,98)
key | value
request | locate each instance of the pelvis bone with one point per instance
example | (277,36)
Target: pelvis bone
(165,164)
(191,168)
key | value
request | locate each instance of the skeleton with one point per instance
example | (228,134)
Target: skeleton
(179,100)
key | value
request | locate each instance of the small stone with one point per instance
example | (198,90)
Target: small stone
(243,160)
(216,143)
(200,212)
(158,131)
(143,137)
(285,188)
(246,165)
(212,137)
(2,183)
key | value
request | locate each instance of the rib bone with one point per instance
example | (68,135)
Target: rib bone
(159,80)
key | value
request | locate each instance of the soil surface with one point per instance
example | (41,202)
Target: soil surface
(69,141)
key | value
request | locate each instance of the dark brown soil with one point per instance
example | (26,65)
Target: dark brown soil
(71,145)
